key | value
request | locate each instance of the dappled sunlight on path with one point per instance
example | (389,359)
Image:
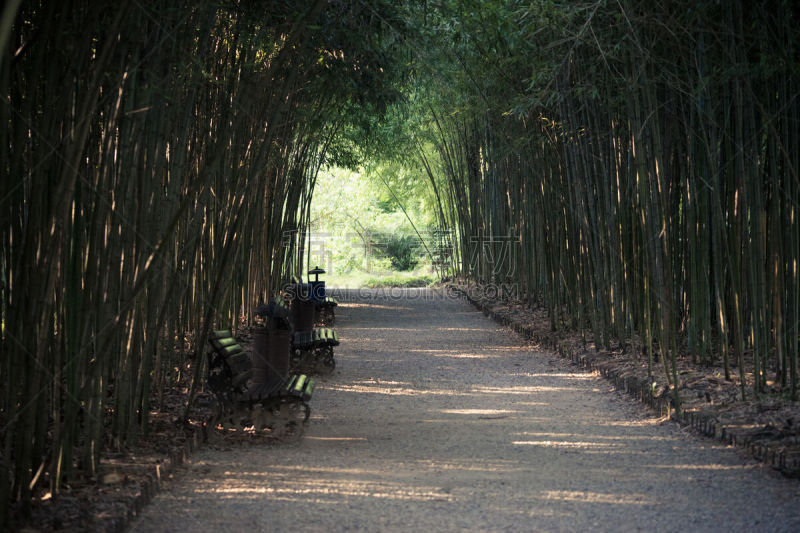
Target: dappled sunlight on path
(438,420)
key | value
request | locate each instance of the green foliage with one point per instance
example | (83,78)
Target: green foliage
(643,153)
(420,277)
(401,250)
(358,221)
(400,280)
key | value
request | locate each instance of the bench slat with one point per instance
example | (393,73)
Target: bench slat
(317,336)
(226,341)
(231,350)
(222,333)
(301,386)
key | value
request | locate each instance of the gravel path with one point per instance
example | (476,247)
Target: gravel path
(437,420)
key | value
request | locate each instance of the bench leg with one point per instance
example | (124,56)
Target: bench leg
(282,418)
(290,419)
(222,414)
(317,360)
(324,359)
(301,361)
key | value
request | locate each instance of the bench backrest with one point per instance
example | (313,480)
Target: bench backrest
(229,366)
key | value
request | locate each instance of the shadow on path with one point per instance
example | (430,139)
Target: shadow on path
(439,420)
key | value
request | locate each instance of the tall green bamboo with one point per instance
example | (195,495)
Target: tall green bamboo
(151,158)
(656,199)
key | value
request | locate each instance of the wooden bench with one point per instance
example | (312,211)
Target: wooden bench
(279,408)
(312,347)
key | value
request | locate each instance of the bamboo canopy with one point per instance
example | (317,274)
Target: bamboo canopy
(632,166)
(647,172)
(158,162)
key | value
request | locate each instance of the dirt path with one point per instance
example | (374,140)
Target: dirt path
(439,420)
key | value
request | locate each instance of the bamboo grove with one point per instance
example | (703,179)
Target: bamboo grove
(645,158)
(158,161)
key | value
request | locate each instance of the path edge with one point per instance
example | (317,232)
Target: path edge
(152,486)
(639,389)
